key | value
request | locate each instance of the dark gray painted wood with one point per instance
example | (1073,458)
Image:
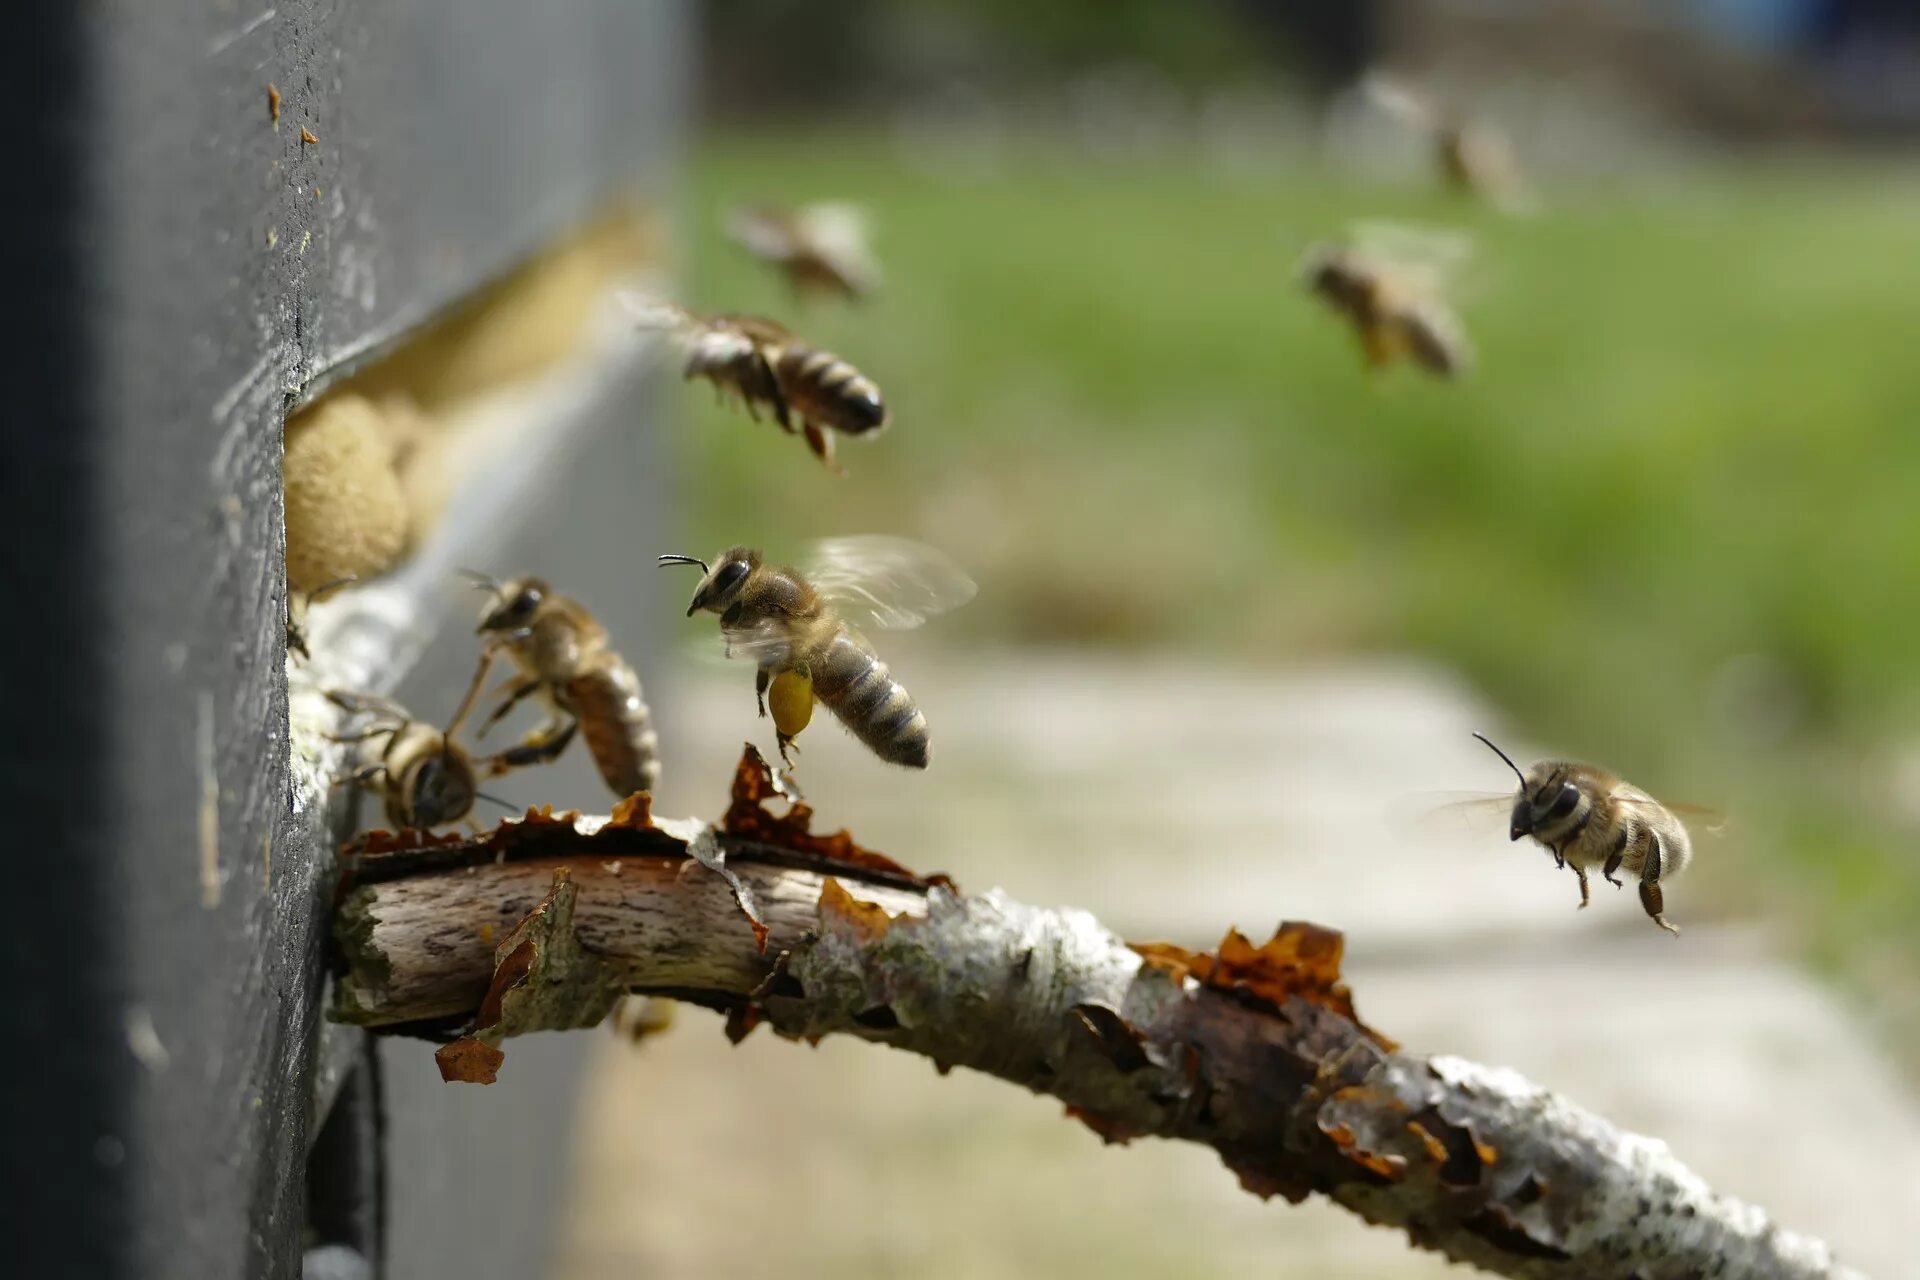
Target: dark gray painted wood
(184,270)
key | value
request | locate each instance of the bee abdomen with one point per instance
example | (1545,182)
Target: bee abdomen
(859,689)
(617,726)
(825,389)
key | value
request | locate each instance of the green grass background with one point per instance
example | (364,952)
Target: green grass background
(1669,522)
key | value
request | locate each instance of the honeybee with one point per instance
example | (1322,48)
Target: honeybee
(1390,286)
(821,248)
(791,625)
(424,777)
(561,653)
(1586,817)
(1473,157)
(763,364)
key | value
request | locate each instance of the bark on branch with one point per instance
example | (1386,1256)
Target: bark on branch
(1254,1051)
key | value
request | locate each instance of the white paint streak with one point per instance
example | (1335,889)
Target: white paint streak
(226,40)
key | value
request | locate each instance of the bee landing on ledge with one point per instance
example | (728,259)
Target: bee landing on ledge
(423,776)
(1588,817)
(820,248)
(764,365)
(563,656)
(792,625)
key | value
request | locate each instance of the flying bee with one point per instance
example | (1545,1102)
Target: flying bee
(821,248)
(762,363)
(561,653)
(1390,285)
(793,626)
(424,777)
(1587,817)
(1473,156)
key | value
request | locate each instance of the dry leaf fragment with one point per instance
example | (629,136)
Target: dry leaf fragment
(306,136)
(273,103)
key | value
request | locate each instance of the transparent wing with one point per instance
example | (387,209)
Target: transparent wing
(1429,812)
(762,644)
(713,341)
(1427,260)
(764,233)
(1711,821)
(1398,99)
(893,583)
(840,234)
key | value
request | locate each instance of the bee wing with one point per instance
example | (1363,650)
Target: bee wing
(714,341)
(1428,261)
(1712,821)
(1399,100)
(1431,811)
(764,233)
(893,583)
(841,234)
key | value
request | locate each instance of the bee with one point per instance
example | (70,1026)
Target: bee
(1586,817)
(1473,157)
(561,653)
(791,625)
(1389,286)
(821,248)
(763,364)
(423,776)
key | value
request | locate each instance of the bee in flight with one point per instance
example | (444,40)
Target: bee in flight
(1389,283)
(1587,817)
(424,777)
(820,248)
(1474,157)
(561,653)
(764,365)
(794,627)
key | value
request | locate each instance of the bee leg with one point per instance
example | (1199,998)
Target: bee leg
(514,694)
(761,679)
(1559,856)
(362,776)
(1614,860)
(775,396)
(1650,895)
(786,744)
(821,442)
(542,746)
(1582,873)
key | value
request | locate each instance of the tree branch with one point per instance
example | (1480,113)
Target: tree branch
(1254,1051)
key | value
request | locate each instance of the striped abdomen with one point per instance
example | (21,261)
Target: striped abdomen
(824,389)
(857,687)
(615,722)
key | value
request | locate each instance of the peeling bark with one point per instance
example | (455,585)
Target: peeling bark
(1253,1051)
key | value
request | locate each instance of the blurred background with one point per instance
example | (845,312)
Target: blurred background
(1242,603)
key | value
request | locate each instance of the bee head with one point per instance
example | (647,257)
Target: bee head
(721,584)
(513,605)
(1545,794)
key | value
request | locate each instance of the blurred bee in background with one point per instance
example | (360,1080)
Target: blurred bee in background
(1390,283)
(763,364)
(1586,817)
(821,248)
(792,625)
(562,655)
(424,778)
(1474,158)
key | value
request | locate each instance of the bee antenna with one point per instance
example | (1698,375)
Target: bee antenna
(1503,755)
(686,560)
(326,589)
(510,808)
